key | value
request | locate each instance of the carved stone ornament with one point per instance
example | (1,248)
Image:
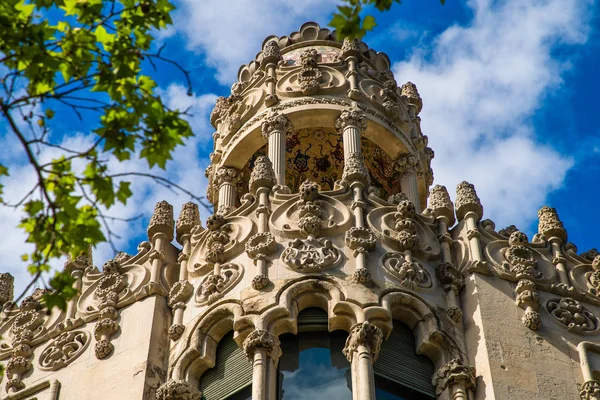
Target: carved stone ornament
(107,292)
(175,331)
(455,372)
(351,48)
(260,282)
(180,293)
(408,164)
(590,255)
(7,282)
(177,390)
(573,316)
(226,175)
(440,204)
(271,53)
(262,340)
(593,277)
(360,238)
(550,225)
(162,221)
(406,230)
(467,201)
(410,92)
(309,76)
(351,118)
(454,313)
(262,174)
(214,287)
(365,334)
(310,255)
(408,273)
(276,123)
(590,390)
(449,276)
(189,217)
(64,350)
(261,244)
(532,320)
(355,169)
(508,230)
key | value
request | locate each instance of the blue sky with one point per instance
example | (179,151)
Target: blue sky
(509,91)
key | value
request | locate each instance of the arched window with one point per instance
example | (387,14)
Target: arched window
(231,377)
(400,373)
(312,365)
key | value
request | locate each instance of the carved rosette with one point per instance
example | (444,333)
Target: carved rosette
(162,221)
(261,245)
(367,335)
(571,314)
(262,340)
(450,277)
(275,123)
(177,390)
(214,286)
(107,292)
(590,390)
(24,328)
(7,282)
(467,201)
(440,205)
(351,118)
(411,94)
(455,372)
(189,217)
(180,293)
(550,225)
(262,174)
(409,274)
(64,350)
(360,239)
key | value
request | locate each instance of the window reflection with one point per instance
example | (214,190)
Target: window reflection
(312,367)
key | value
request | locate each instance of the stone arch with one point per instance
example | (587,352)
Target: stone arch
(430,340)
(197,350)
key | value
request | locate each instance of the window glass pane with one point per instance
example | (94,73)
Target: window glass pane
(313,367)
(386,389)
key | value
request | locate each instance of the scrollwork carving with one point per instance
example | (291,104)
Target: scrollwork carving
(64,350)
(310,255)
(214,286)
(409,273)
(570,313)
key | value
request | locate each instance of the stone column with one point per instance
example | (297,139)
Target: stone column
(274,130)
(362,349)
(182,290)
(160,232)
(352,54)
(470,210)
(271,56)
(409,166)
(263,350)
(351,124)
(226,180)
(551,226)
(455,376)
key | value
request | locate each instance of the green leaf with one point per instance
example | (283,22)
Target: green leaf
(124,192)
(369,23)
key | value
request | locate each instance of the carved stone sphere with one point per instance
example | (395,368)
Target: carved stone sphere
(518,238)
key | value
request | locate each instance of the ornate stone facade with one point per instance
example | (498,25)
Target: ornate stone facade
(320,177)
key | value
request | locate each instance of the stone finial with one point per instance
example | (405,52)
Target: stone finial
(7,287)
(455,372)
(309,58)
(352,118)
(550,225)
(350,48)
(440,203)
(177,390)
(355,169)
(227,175)
(365,334)
(262,174)
(189,217)
(271,53)
(590,255)
(410,92)
(276,123)
(261,339)
(407,164)
(508,230)
(162,221)
(308,190)
(467,201)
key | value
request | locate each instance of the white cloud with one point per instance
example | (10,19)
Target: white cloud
(186,169)
(480,85)
(230,33)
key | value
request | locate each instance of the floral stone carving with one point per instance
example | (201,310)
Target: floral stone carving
(177,390)
(310,255)
(262,340)
(409,273)
(107,291)
(455,372)
(64,350)
(570,313)
(214,286)
(365,334)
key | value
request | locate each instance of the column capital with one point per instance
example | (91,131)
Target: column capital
(261,339)
(467,201)
(408,163)
(455,372)
(351,48)
(226,175)
(365,334)
(276,123)
(351,118)
(177,390)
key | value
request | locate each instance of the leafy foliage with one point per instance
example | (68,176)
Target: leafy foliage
(65,58)
(348,21)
